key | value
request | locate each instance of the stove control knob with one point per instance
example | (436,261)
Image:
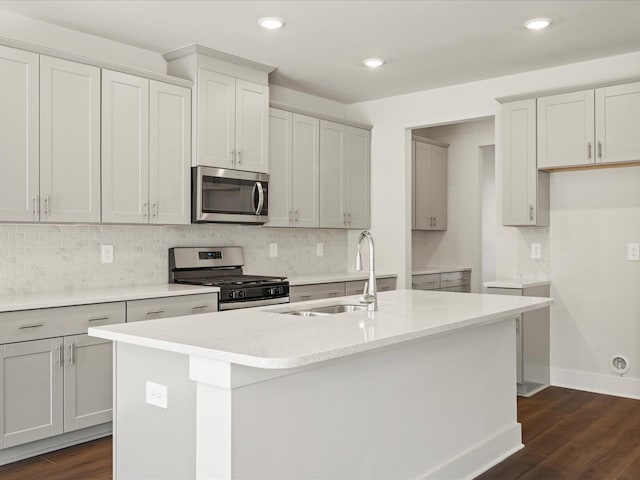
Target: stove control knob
(232,295)
(241,294)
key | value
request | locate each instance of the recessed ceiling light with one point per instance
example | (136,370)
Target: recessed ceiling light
(537,23)
(373,62)
(271,23)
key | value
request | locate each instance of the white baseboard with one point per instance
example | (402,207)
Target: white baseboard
(481,457)
(596,382)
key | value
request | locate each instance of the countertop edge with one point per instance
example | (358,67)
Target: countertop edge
(336,277)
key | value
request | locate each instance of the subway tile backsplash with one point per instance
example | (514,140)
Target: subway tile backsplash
(50,258)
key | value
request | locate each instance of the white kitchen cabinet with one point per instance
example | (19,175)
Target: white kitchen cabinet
(344,176)
(525,189)
(295,170)
(429,186)
(232,123)
(69,141)
(145,151)
(566,129)
(19,136)
(618,123)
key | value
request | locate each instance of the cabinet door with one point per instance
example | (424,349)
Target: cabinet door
(19,142)
(618,123)
(438,187)
(30,391)
(280,158)
(566,129)
(252,126)
(413,185)
(519,163)
(125,148)
(332,167)
(306,171)
(169,154)
(216,134)
(422,190)
(358,178)
(88,390)
(69,141)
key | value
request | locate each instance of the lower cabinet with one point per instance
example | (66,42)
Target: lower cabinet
(446,282)
(318,291)
(154,308)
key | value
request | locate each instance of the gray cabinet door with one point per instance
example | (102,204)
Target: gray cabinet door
(19,142)
(125,148)
(438,187)
(252,126)
(280,165)
(357,177)
(305,171)
(69,141)
(332,187)
(31,376)
(88,391)
(618,123)
(566,129)
(421,181)
(216,120)
(169,154)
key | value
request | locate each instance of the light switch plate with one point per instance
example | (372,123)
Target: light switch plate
(157,395)
(633,251)
(107,253)
(320,249)
(536,251)
(273,250)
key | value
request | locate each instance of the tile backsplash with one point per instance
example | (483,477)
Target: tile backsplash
(50,258)
(534,268)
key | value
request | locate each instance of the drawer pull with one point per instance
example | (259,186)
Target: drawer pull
(98,319)
(306,296)
(60,356)
(155,312)
(334,294)
(199,307)
(71,359)
(32,325)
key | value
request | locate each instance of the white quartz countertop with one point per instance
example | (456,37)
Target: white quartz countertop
(260,337)
(429,269)
(102,295)
(517,283)
(334,277)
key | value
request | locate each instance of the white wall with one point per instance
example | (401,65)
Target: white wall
(461,243)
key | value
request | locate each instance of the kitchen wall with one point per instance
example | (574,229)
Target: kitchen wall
(489,220)
(461,243)
(391,213)
(49,258)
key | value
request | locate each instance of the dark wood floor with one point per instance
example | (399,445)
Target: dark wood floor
(568,435)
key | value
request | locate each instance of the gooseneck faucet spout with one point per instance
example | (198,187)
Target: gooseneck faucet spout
(369,295)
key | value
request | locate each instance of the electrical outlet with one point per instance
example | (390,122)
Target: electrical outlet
(320,249)
(633,251)
(107,253)
(157,394)
(273,250)
(536,251)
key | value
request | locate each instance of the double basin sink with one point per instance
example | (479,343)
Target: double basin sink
(311,311)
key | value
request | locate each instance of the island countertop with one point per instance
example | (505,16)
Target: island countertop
(263,338)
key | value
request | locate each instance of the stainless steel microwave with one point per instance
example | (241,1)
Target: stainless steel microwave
(221,195)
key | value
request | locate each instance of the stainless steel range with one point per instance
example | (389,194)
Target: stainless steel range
(222,267)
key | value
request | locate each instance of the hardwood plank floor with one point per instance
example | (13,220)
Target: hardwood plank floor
(568,435)
(574,435)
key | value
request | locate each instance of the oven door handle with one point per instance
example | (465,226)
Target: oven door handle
(258,185)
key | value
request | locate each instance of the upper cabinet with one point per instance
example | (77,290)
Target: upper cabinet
(429,199)
(525,189)
(589,127)
(358,177)
(145,150)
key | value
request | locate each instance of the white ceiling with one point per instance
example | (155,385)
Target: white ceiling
(426,44)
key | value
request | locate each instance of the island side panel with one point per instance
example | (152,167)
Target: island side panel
(440,407)
(152,442)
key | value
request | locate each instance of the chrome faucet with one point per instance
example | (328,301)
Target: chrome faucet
(369,295)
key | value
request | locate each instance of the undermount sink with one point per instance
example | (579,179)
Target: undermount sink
(324,310)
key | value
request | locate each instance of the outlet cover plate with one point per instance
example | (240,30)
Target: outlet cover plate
(536,251)
(633,252)
(157,394)
(320,249)
(107,253)
(273,250)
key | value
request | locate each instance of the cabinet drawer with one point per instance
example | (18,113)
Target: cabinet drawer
(154,308)
(356,287)
(426,282)
(460,288)
(301,293)
(455,279)
(57,322)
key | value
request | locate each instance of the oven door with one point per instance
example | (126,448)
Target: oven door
(229,196)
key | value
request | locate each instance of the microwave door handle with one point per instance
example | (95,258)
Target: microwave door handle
(260,198)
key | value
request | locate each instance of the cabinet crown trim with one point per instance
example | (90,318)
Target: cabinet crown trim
(309,113)
(218,55)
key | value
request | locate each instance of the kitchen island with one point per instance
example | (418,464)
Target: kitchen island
(422,388)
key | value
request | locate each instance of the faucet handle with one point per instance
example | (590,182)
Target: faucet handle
(366,297)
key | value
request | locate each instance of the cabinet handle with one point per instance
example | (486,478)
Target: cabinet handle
(98,319)
(60,356)
(306,296)
(145,210)
(232,154)
(154,206)
(239,157)
(599,149)
(297,216)
(344,218)
(199,307)
(155,312)
(290,217)
(531,213)
(46,205)
(36,204)
(334,294)
(71,349)
(349,216)
(31,325)
(589,150)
